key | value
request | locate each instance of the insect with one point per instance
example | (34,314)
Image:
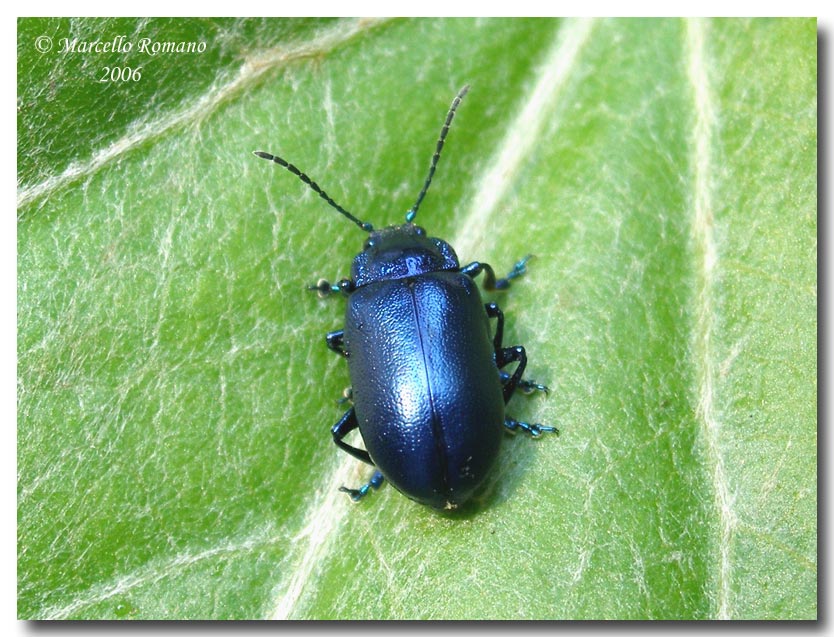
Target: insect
(428,381)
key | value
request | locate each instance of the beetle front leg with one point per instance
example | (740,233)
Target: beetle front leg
(325,288)
(490,282)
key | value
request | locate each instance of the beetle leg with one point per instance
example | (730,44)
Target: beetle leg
(347,396)
(325,288)
(511,383)
(506,356)
(533,430)
(493,311)
(335,341)
(346,424)
(357,494)
(519,269)
(526,386)
(490,282)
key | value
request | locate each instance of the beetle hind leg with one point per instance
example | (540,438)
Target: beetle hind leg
(346,424)
(357,494)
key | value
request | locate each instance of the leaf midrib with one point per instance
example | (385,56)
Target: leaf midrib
(705,267)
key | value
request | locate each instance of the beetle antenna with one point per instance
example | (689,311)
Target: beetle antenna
(409,217)
(295,171)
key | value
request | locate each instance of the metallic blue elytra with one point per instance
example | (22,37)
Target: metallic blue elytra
(436,381)
(428,384)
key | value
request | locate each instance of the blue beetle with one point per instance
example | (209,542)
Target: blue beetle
(428,385)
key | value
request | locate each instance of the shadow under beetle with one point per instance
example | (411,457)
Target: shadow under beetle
(428,385)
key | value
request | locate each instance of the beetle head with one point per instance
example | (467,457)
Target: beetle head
(402,251)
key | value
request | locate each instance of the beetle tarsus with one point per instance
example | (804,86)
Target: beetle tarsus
(357,494)
(519,269)
(526,387)
(534,430)
(325,288)
(530,386)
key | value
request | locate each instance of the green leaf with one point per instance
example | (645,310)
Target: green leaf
(175,392)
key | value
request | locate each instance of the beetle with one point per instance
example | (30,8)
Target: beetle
(428,381)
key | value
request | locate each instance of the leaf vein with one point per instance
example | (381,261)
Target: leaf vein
(251,70)
(155,572)
(706,255)
(524,131)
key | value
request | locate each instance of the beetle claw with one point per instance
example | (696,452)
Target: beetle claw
(527,387)
(357,494)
